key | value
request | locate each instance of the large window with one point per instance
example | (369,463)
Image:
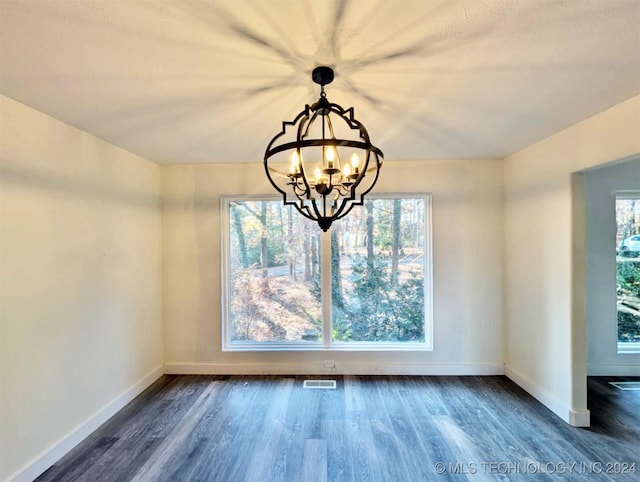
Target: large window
(628,271)
(365,284)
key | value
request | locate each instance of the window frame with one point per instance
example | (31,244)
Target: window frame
(326,343)
(623,347)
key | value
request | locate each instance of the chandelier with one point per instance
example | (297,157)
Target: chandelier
(323,161)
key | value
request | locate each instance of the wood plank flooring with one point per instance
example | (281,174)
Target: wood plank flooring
(405,429)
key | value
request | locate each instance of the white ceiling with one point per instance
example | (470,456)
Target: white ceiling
(197,82)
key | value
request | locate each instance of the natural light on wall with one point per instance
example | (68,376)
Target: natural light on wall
(365,284)
(628,270)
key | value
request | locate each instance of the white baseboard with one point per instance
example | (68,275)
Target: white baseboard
(577,418)
(580,418)
(342,368)
(613,370)
(60,448)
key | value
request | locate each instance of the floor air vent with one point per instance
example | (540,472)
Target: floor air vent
(326,384)
(626,385)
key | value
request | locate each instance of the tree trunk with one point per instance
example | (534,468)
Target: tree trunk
(307,257)
(264,246)
(291,246)
(336,280)
(369,206)
(242,245)
(395,240)
(314,257)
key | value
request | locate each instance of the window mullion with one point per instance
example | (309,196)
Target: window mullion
(326,288)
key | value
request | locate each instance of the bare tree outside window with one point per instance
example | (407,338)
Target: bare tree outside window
(272,295)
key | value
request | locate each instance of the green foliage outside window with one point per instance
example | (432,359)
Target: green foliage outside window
(628,278)
(378,310)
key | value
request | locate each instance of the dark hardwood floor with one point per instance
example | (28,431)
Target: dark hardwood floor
(404,429)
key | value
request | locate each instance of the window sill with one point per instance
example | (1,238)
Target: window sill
(626,348)
(335,346)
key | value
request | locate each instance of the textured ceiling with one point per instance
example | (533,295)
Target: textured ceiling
(197,82)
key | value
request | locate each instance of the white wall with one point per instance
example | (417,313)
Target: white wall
(602,334)
(81,313)
(467,246)
(546,349)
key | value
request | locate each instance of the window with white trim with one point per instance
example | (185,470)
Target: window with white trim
(363,285)
(628,270)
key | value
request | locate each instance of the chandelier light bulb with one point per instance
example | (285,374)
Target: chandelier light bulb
(355,162)
(330,156)
(295,163)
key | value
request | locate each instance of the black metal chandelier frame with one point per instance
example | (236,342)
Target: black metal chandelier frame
(335,191)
